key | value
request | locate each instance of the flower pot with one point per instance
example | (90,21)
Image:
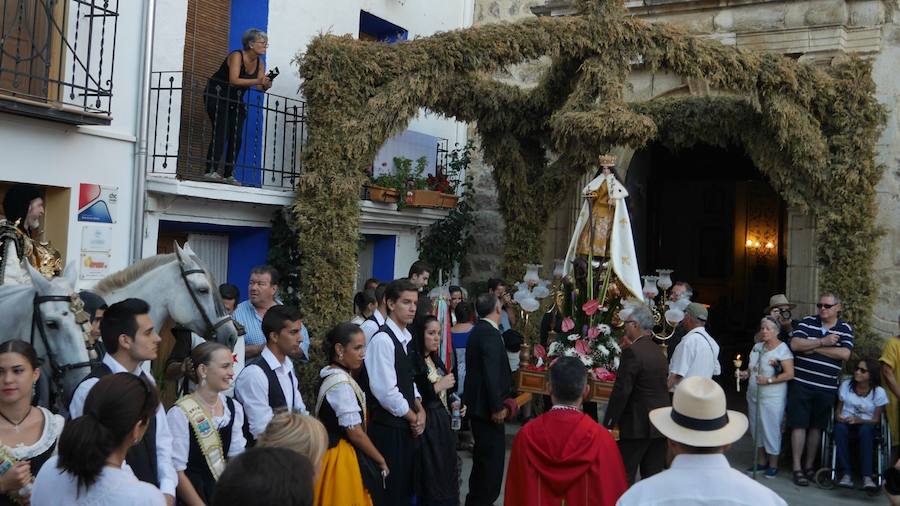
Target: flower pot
(449,200)
(382,194)
(423,198)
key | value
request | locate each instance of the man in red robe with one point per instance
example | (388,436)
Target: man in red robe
(563,456)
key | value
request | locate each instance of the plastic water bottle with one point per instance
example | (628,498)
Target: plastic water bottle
(455,415)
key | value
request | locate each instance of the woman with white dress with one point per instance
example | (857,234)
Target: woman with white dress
(770,367)
(89,469)
(28,433)
(200,449)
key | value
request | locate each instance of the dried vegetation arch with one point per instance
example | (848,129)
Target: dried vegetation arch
(812,130)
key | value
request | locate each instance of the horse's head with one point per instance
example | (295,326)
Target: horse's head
(57,331)
(196,302)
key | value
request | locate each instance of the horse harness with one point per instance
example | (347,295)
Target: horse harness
(37,322)
(211,328)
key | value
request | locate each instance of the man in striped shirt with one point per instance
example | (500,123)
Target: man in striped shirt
(820,344)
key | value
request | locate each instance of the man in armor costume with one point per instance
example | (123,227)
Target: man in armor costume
(21,236)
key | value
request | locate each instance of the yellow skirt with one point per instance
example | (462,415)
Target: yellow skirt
(340,482)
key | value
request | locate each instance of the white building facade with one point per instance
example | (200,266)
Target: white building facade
(71,80)
(229,225)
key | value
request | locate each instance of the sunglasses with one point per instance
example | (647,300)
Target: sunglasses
(826,306)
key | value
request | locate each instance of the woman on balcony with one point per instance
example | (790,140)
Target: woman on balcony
(224,98)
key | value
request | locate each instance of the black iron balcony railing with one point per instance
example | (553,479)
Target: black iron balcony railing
(204,130)
(57,58)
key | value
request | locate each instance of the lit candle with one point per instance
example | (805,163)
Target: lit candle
(737,371)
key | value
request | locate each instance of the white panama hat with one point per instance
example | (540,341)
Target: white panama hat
(698,415)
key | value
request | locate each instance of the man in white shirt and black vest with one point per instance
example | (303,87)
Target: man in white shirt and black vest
(269,383)
(398,417)
(129,338)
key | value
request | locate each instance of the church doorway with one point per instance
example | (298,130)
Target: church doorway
(711,216)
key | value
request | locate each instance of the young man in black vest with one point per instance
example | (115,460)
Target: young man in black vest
(397,418)
(129,338)
(269,383)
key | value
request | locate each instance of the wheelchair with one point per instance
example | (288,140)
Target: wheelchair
(826,476)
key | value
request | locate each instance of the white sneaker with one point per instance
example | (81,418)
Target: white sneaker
(868,483)
(846,481)
(215,176)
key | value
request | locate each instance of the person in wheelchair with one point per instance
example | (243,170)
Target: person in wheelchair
(860,403)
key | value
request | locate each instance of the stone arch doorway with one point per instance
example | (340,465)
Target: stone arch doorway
(709,214)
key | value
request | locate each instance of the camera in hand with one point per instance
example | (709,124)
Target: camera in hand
(273,74)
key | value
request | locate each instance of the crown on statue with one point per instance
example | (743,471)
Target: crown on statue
(607,160)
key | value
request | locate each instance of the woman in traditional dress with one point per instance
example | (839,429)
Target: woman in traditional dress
(88,469)
(365,304)
(205,425)
(353,470)
(439,480)
(28,433)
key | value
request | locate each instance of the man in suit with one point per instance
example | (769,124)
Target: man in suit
(487,388)
(640,388)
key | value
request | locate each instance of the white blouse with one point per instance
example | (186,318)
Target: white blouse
(53,426)
(861,407)
(181,432)
(342,399)
(114,487)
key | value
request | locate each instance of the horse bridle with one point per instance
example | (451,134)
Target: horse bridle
(37,322)
(211,328)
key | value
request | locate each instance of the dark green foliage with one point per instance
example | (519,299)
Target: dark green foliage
(445,243)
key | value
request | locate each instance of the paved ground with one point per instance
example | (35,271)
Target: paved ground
(741,457)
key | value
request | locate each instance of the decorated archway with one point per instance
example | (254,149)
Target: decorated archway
(811,130)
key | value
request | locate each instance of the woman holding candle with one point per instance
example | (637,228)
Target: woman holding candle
(770,367)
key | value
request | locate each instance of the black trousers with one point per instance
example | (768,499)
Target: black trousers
(227,117)
(487,463)
(398,447)
(648,455)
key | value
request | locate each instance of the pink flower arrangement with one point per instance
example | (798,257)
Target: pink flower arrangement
(603,374)
(582,348)
(590,307)
(540,352)
(567,324)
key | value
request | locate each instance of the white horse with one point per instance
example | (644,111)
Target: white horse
(49,315)
(177,286)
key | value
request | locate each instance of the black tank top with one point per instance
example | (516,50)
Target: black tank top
(219,84)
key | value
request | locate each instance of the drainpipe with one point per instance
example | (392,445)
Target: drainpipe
(135,250)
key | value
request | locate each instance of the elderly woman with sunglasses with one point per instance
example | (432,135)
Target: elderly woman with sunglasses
(860,403)
(770,367)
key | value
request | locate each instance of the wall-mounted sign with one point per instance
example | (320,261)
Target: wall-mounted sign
(97,203)
(94,265)
(96,238)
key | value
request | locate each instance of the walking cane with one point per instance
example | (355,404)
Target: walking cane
(756,416)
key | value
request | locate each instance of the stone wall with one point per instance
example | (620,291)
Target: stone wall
(816,30)
(485,256)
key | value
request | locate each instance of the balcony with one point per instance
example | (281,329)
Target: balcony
(196,127)
(57,58)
